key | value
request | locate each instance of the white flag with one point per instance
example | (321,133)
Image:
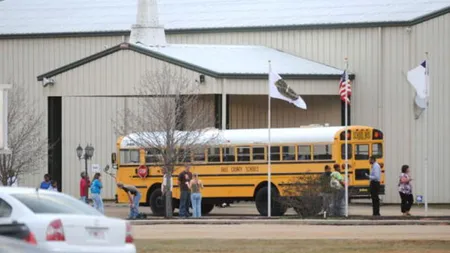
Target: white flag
(278,88)
(418,78)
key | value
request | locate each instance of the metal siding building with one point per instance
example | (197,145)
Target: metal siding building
(379,57)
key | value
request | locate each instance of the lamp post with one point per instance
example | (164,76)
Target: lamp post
(88,154)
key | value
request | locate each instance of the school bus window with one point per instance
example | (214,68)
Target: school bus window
(362,152)
(152,155)
(274,153)
(288,153)
(129,156)
(184,156)
(258,153)
(243,154)
(228,154)
(322,152)
(349,147)
(304,152)
(214,155)
(199,155)
(377,150)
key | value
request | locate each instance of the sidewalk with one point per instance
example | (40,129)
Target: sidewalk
(248,211)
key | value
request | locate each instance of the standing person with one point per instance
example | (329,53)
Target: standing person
(96,190)
(184,178)
(163,186)
(84,185)
(374,177)
(53,186)
(337,184)
(134,196)
(326,190)
(405,190)
(196,197)
(46,183)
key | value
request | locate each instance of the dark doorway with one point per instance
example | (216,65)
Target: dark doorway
(54,139)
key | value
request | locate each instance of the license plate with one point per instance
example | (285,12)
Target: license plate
(362,190)
(97,234)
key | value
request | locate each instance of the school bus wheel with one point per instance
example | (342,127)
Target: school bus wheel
(277,209)
(207,208)
(156,202)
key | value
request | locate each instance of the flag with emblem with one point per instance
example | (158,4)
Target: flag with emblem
(345,88)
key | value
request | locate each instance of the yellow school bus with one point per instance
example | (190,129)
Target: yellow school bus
(235,167)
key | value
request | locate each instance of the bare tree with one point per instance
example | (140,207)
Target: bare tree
(171,123)
(27,145)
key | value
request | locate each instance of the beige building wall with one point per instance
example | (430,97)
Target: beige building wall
(251,112)
(381,96)
(22,60)
(380,58)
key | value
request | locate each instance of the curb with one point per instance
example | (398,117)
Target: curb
(293,222)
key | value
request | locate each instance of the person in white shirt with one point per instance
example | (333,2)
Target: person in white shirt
(164,183)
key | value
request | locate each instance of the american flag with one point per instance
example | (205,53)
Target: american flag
(345,89)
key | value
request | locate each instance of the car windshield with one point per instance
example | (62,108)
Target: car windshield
(44,203)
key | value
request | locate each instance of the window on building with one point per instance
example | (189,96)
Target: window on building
(258,154)
(362,152)
(129,156)
(228,154)
(322,152)
(275,153)
(377,150)
(243,154)
(288,153)
(153,155)
(350,155)
(213,154)
(304,152)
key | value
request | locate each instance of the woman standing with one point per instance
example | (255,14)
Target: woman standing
(195,185)
(405,190)
(96,189)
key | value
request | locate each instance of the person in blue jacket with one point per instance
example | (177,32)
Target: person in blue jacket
(96,190)
(46,183)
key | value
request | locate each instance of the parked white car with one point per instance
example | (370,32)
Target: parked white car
(61,223)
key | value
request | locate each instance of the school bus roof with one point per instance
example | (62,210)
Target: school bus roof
(258,136)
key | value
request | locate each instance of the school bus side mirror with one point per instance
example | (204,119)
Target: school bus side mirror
(113,158)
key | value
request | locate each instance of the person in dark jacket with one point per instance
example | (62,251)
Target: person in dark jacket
(326,190)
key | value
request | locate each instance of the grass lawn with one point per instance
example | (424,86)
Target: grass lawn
(288,246)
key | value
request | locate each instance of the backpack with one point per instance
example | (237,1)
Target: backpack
(335,184)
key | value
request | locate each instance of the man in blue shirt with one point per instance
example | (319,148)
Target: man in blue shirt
(375,178)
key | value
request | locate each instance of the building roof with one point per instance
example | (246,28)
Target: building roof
(99,16)
(233,59)
(227,61)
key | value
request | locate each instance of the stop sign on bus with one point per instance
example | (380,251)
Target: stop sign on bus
(142,171)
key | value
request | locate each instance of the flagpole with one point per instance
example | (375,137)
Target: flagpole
(425,118)
(269,206)
(346,138)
